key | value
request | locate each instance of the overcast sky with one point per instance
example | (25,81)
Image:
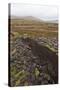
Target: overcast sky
(42,12)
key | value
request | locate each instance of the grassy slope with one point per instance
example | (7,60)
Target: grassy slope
(34,28)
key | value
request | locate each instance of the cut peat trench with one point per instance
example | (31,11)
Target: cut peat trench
(46,57)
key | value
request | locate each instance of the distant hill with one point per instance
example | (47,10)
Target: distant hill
(31,18)
(27,18)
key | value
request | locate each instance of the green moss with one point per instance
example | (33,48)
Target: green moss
(36,72)
(20,73)
(13,71)
(51,48)
(21,77)
(17,83)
